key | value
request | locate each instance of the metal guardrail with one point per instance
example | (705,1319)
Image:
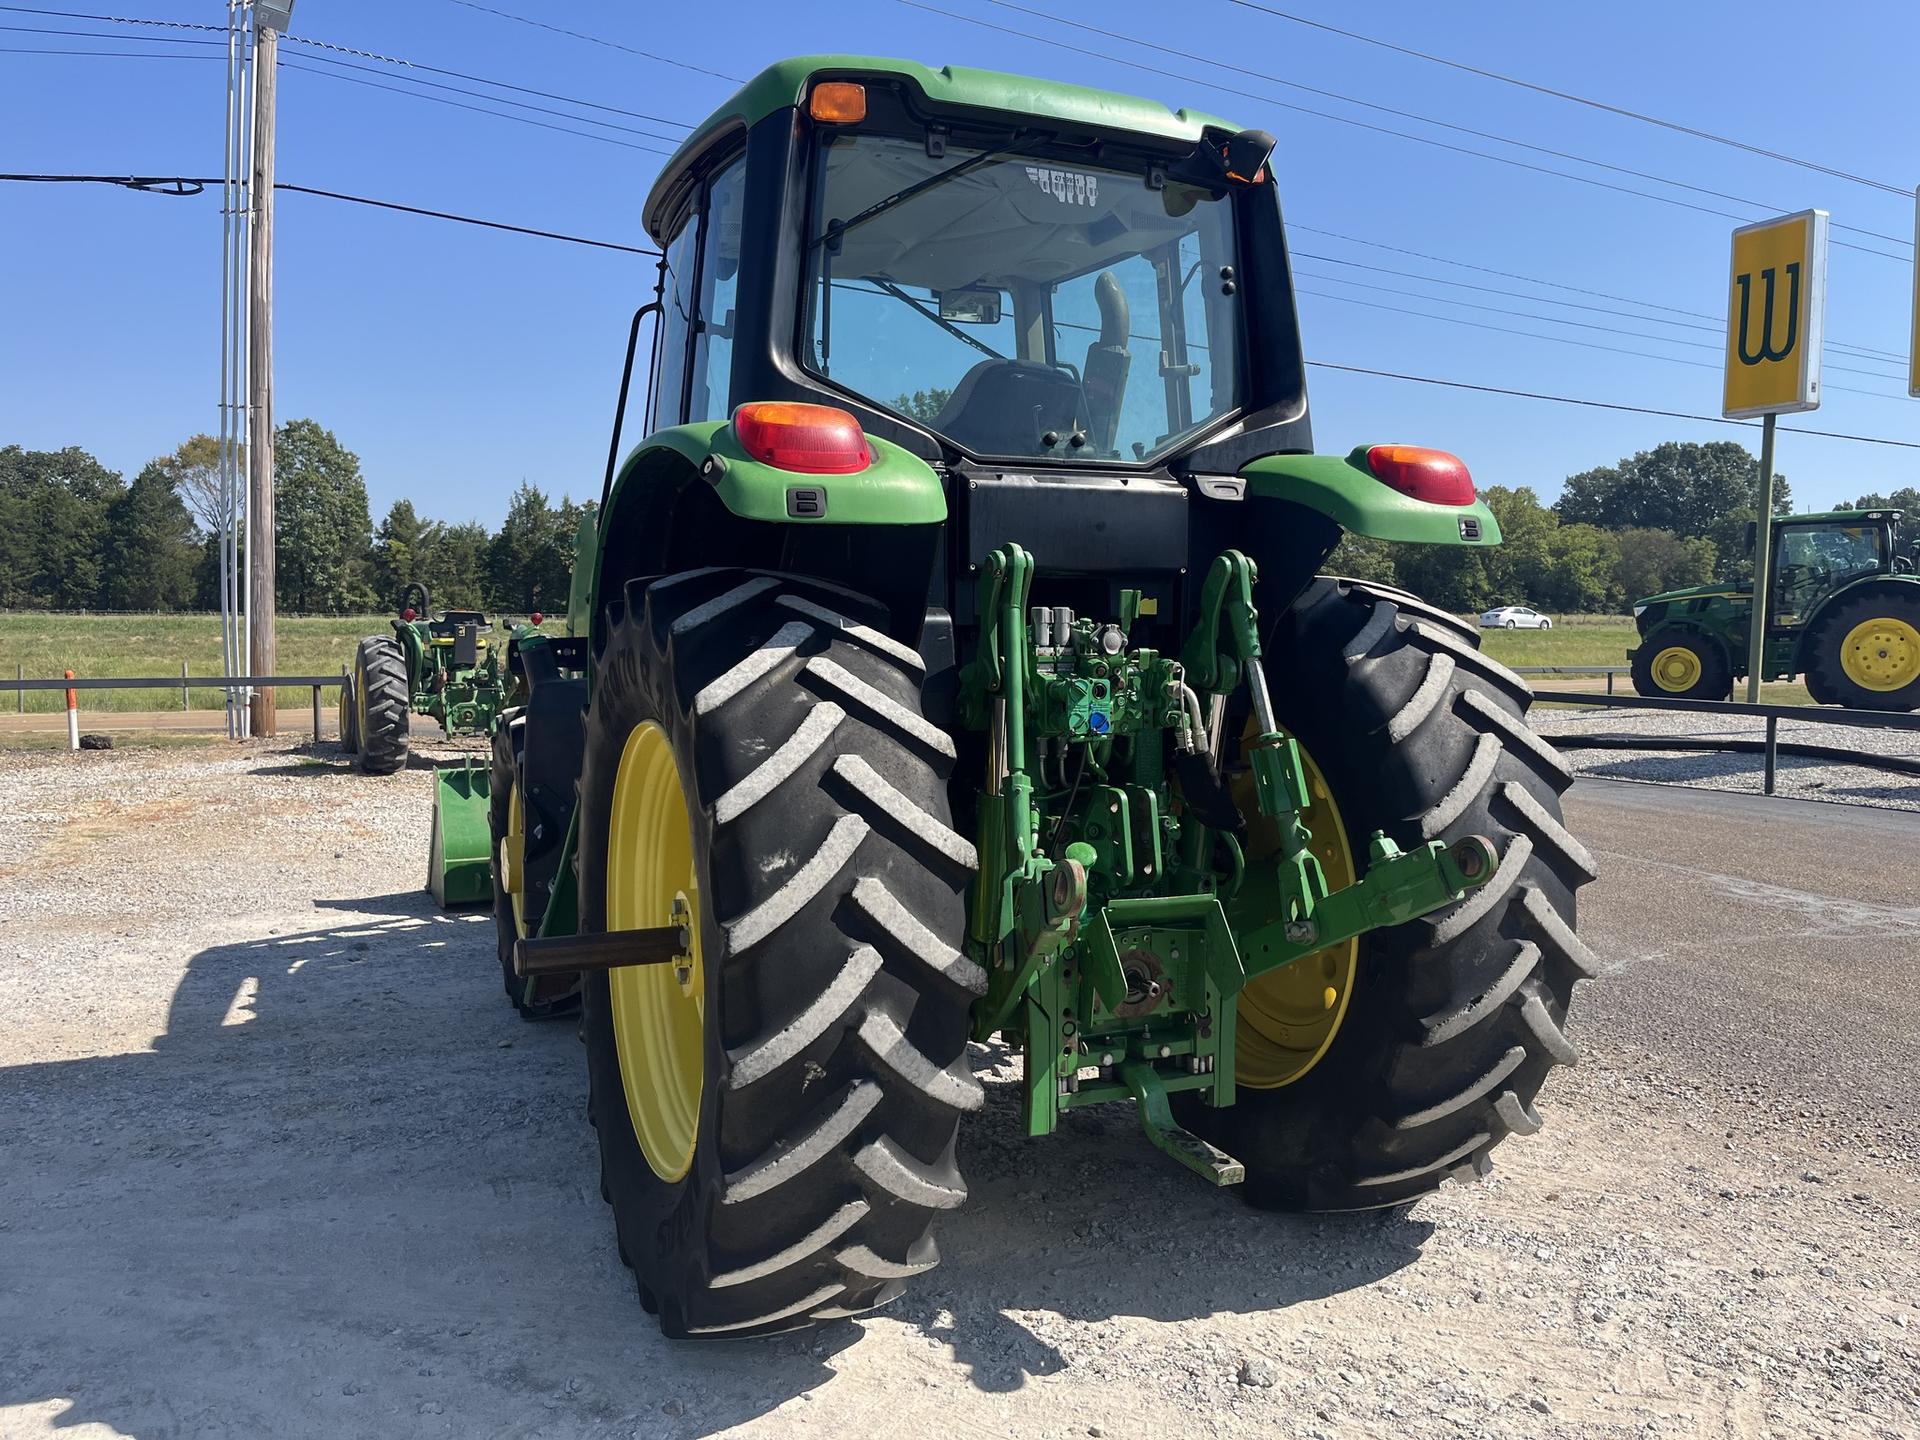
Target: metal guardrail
(1770,747)
(181,682)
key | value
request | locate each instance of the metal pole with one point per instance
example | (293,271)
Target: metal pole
(1773,740)
(1762,607)
(185,704)
(20,696)
(316,714)
(1609,682)
(261,656)
(73,717)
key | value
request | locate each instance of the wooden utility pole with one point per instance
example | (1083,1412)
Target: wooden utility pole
(262,653)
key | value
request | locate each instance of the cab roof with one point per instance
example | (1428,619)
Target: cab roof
(784,83)
(1870,514)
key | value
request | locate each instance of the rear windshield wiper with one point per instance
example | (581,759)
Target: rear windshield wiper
(836,228)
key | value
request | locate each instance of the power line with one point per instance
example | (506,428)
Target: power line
(1567,340)
(497,84)
(1716,326)
(500,100)
(97,35)
(1580,324)
(105,54)
(114,19)
(1498,138)
(1357,124)
(594,40)
(194,185)
(314,44)
(1540,89)
(1607,405)
(1503,274)
(476,109)
(470,220)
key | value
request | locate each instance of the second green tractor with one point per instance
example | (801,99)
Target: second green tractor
(950,662)
(1844,613)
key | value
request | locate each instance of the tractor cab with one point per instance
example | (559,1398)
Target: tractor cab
(1815,555)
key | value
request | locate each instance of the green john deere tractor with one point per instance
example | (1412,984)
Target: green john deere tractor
(447,666)
(1845,614)
(950,661)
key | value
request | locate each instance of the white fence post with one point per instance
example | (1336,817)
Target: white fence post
(73,716)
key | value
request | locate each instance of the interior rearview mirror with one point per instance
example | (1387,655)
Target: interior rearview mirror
(979,306)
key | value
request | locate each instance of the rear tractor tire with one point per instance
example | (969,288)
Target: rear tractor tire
(1682,664)
(777,1111)
(382,701)
(1864,652)
(1454,1021)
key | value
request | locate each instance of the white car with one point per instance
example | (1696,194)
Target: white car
(1515,617)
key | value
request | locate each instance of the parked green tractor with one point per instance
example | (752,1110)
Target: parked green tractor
(451,667)
(950,662)
(1845,614)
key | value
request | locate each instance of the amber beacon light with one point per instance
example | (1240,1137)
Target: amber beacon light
(838,102)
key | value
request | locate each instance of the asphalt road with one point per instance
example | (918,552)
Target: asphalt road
(276,1159)
(1772,942)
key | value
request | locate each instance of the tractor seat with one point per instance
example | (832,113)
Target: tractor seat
(446,629)
(1003,407)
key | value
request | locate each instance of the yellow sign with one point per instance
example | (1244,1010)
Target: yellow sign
(1776,308)
(1913,348)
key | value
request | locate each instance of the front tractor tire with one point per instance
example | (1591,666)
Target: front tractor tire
(1454,1021)
(777,1112)
(1681,663)
(381,701)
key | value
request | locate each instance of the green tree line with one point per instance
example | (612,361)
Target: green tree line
(75,535)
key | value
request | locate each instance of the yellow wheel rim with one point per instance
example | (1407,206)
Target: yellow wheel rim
(1676,668)
(513,852)
(1288,1017)
(360,700)
(659,1011)
(1881,654)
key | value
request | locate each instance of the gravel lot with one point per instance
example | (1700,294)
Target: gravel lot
(276,1158)
(1803,778)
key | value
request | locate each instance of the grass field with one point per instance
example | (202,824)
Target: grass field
(101,646)
(1595,640)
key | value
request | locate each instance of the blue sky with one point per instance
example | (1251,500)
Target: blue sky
(457,362)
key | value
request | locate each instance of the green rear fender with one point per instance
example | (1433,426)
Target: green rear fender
(1342,488)
(898,488)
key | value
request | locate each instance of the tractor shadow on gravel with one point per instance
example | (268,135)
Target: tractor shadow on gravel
(347,1190)
(1094,1224)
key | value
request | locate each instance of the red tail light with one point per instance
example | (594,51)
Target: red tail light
(409,614)
(536,617)
(812,439)
(1423,474)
